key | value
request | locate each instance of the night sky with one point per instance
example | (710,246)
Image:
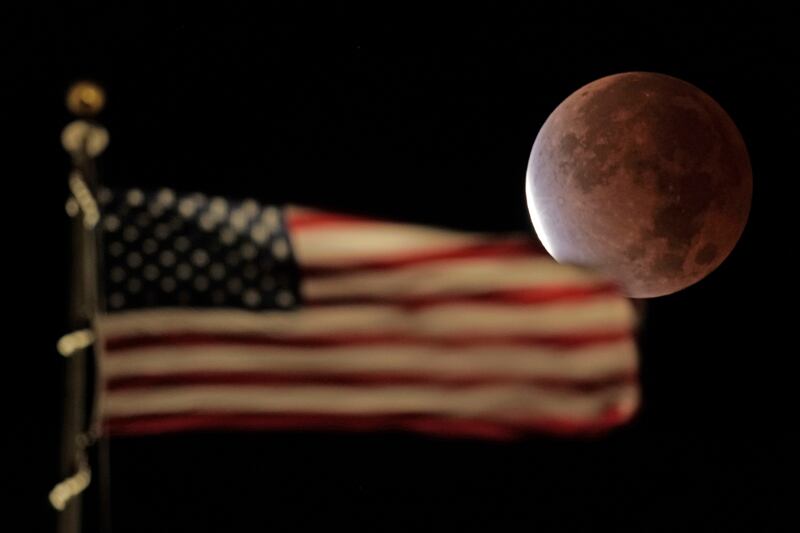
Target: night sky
(429,118)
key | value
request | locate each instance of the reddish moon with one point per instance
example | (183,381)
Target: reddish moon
(642,176)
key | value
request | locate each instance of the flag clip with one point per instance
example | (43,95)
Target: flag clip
(85,200)
(74,341)
(69,488)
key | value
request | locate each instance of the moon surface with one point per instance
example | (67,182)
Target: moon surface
(641,176)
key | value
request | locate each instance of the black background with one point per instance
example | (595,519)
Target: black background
(427,117)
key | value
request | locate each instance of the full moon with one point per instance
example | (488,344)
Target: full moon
(641,176)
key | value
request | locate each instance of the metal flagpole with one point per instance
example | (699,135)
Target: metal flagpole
(84,140)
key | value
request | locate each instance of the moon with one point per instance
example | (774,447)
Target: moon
(641,176)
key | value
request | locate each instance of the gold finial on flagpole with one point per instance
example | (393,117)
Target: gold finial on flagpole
(83,137)
(85,99)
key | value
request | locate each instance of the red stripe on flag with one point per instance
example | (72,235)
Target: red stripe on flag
(424,424)
(364,379)
(295,220)
(120,343)
(539,295)
(514,248)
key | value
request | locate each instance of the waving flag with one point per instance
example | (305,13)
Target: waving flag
(236,315)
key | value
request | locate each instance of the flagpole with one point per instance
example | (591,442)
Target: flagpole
(84,140)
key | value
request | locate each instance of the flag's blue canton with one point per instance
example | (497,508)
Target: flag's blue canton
(166,250)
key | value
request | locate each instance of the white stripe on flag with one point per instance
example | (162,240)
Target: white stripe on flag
(452,277)
(504,402)
(590,362)
(340,244)
(447,320)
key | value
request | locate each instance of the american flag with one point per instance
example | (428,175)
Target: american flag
(223,314)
